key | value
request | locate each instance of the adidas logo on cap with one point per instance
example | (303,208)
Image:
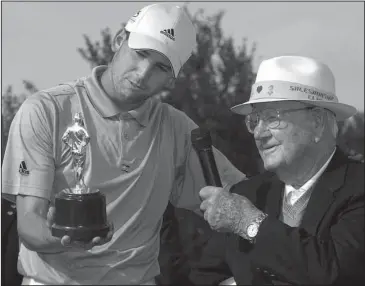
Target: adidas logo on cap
(170,33)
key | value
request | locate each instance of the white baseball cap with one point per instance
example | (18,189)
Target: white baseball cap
(165,28)
(295,78)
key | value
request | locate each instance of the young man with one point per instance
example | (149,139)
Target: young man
(139,156)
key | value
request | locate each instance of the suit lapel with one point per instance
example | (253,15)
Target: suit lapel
(324,192)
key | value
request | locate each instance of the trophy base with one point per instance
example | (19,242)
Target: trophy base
(80,216)
(80,233)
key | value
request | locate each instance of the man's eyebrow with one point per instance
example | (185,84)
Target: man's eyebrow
(144,52)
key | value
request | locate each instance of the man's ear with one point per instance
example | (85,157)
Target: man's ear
(319,116)
(118,39)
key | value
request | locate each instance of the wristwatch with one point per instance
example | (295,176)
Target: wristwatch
(253,228)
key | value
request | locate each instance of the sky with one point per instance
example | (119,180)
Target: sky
(40,39)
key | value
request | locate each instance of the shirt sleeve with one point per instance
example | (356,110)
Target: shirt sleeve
(28,165)
(189,178)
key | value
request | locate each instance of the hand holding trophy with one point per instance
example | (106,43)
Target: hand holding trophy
(79,213)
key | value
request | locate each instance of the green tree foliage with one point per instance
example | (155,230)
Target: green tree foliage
(97,53)
(218,75)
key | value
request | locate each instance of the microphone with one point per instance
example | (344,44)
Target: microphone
(202,143)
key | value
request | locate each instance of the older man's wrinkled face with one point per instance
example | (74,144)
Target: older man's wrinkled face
(284,145)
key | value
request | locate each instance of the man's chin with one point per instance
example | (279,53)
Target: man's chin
(271,165)
(130,93)
(133,96)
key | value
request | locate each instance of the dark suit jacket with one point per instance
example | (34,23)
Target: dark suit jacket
(328,246)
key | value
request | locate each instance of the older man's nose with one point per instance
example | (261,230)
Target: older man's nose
(261,130)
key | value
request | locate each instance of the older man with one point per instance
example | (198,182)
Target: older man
(302,222)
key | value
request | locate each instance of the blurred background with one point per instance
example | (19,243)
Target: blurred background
(47,43)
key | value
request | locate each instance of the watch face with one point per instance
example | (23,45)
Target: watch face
(252,230)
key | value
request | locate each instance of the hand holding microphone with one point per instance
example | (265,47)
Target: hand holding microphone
(202,143)
(222,210)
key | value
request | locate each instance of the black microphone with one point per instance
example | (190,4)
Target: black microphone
(202,143)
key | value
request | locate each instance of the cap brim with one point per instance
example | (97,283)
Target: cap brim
(341,110)
(144,42)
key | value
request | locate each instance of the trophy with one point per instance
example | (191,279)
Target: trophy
(80,212)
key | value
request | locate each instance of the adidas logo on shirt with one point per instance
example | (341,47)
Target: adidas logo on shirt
(170,33)
(23,169)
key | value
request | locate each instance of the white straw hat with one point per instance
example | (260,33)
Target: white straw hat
(294,78)
(165,28)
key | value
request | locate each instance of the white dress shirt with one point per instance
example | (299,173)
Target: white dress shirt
(297,193)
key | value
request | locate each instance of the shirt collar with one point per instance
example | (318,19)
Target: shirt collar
(142,113)
(105,106)
(309,184)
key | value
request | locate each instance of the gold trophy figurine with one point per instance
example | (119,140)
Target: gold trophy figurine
(80,211)
(77,138)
